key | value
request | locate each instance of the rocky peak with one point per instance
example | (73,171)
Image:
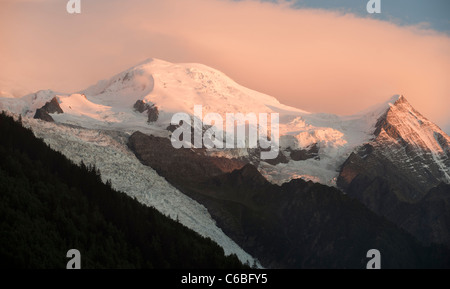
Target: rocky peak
(52,106)
(403,125)
(408,156)
(248,173)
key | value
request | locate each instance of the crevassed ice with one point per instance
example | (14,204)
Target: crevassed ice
(110,155)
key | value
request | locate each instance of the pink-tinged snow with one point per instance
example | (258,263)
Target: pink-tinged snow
(419,131)
(28,104)
(178,87)
(336,136)
(108,105)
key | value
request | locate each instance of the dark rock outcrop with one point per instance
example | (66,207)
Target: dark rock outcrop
(184,163)
(280,159)
(297,225)
(43,115)
(52,106)
(140,106)
(151,110)
(305,225)
(429,219)
(304,154)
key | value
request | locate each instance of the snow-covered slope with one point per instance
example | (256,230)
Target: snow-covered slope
(403,125)
(108,105)
(178,87)
(28,104)
(336,136)
(109,153)
(172,87)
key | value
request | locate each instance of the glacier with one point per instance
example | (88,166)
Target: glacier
(107,150)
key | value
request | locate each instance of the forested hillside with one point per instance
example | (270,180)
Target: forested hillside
(49,205)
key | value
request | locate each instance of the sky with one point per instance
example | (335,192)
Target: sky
(431,13)
(321,56)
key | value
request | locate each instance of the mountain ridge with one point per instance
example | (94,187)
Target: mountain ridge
(172,88)
(289,226)
(395,173)
(389,156)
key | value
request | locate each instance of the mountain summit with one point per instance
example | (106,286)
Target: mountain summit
(407,147)
(314,146)
(421,139)
(403,173)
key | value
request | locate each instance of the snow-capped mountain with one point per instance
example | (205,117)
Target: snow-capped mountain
(420,139)
(108,105)
(414,146)
(401,173)
(391,140)
(173,88)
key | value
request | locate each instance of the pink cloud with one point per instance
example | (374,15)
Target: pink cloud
(311,59)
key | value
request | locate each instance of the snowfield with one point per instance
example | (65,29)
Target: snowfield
(108,106)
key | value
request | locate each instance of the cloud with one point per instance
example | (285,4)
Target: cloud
(312,59)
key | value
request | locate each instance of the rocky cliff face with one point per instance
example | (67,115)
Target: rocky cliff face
(297,225)
(43,115)
(408,157)
(176,164)
(429,219)
(50,107)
